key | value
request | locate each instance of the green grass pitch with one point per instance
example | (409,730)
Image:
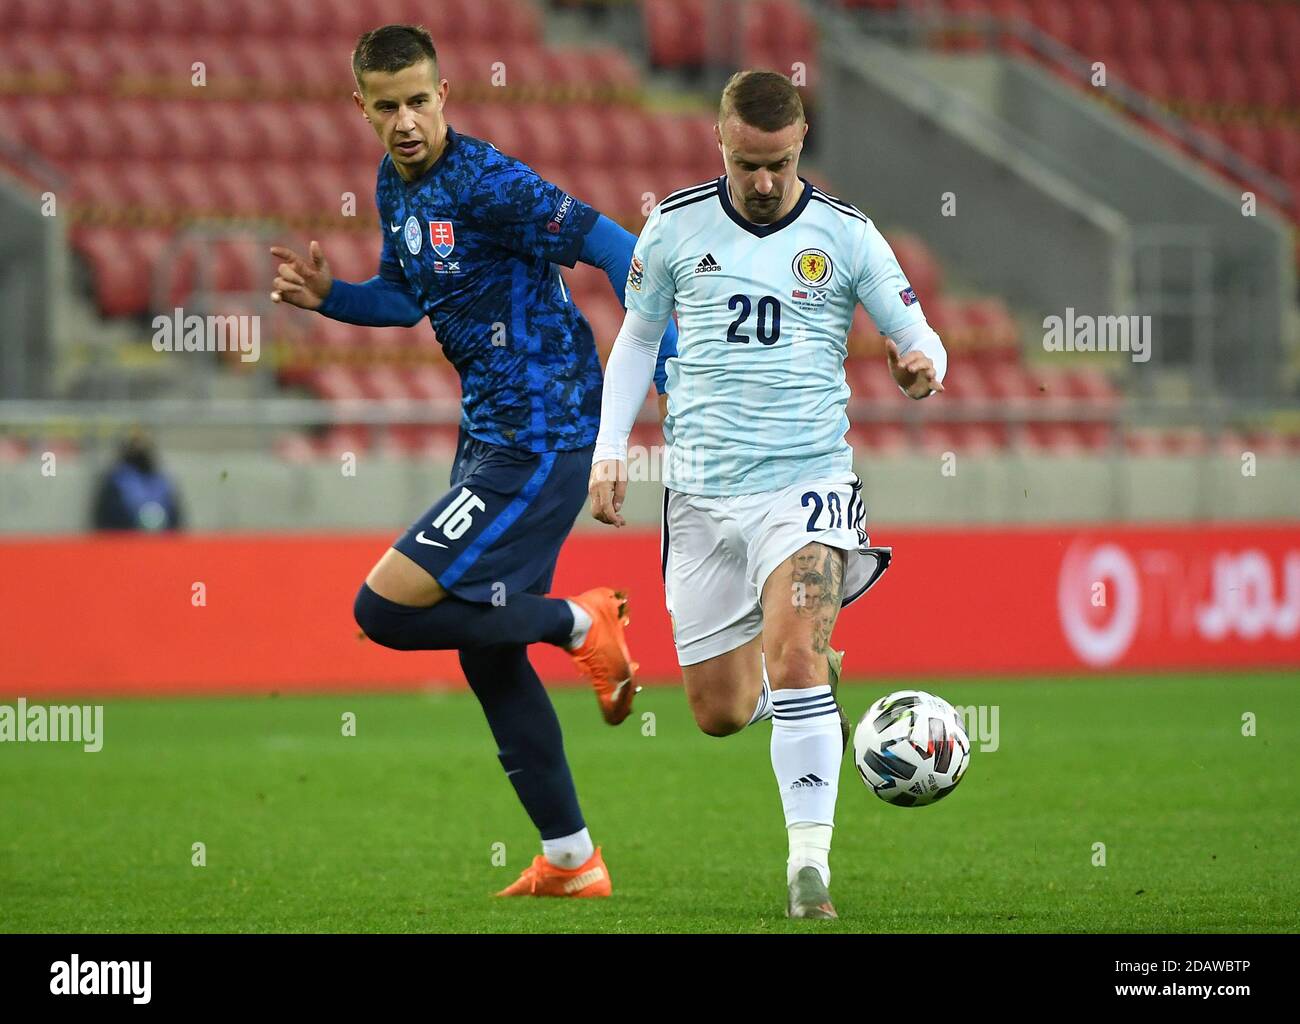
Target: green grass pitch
(393,830)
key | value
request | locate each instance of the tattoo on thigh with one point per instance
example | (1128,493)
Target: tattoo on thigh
(817,572)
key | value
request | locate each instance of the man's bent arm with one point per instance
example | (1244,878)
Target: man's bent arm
(383,301)
(627,379)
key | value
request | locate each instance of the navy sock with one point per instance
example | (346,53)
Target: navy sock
(527,732)
(453,624)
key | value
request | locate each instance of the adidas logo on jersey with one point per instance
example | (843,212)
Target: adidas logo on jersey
(707,265)
(808,782)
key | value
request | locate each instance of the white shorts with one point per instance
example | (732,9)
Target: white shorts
(718,552)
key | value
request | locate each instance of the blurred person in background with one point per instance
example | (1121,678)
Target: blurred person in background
(134,494)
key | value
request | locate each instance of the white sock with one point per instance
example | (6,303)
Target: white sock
(810,845)
(569,851)
(807,747)
(581,624)
(763,709)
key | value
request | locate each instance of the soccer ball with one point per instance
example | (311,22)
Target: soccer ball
(911,748)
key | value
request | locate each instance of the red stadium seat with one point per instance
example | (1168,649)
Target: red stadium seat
(208,18)
(89,65)
(1147,75)
(1175,28)
(1132,30)
(1093,31)
(1012,383)
(144,185)
(611,67)
(1268,84)
(626,130)
(586,142)
(1255,35)
(507,128)
(780,30)
(120,287)
(278,190)
(32,15)
(1144,441)
(1215,28)
(938,437)
(547,138)
(87,15)
(676,31)
(1050,438)
(194,187)
(1228,80)
(993,329)
(878,438)
(233,135)
(1185,441)
(674,143)
(1188,80)
(1283,151)
(977,438)
(1286,22)
(428,382)
(78,131)
(182,127)
(239,265)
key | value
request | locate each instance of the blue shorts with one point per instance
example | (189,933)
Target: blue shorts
(499,530)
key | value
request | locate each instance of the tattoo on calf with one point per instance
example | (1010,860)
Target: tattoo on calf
(818,584)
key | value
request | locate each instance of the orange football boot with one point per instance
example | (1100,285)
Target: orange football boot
(604,656)
(542,878)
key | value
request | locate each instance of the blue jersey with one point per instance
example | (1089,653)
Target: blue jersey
(475,240)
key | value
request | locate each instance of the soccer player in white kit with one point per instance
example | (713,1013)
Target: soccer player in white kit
(763,523)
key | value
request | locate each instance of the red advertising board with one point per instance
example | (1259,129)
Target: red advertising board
(222,613)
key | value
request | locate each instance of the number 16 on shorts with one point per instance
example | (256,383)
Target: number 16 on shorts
(456,518)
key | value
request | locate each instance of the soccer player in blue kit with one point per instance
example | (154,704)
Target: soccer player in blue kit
(472,239)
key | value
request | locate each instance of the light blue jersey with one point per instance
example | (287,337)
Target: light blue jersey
(757,394)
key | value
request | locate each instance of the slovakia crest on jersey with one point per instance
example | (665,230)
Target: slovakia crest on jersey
(442,236)
(411,232)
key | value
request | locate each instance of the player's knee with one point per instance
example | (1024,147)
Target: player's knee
(715,720)
(377,619)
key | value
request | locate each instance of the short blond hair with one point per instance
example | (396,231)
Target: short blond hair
(764,100)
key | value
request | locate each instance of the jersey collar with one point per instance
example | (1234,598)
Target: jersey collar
(763,230)
(450,144)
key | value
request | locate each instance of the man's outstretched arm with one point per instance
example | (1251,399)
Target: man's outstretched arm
(609,247)
(382,301)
